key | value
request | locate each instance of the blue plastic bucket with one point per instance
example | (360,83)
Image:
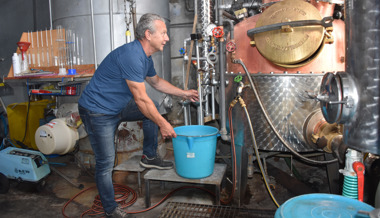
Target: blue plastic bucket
(194,150)
(321,205)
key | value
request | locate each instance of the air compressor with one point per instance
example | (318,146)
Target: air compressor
(22,165)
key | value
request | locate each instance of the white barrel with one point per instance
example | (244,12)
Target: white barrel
(56,137)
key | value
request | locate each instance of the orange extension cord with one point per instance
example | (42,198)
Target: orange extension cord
(125,192)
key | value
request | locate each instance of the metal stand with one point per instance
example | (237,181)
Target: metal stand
(132,165)
(171,176)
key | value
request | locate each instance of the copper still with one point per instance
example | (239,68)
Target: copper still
(287,49)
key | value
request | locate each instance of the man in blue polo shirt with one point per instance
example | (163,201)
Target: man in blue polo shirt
(117,93)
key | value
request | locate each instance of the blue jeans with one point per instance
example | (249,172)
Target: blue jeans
(101,130)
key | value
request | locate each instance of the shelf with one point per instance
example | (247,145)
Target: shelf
(66,89)
(84,72)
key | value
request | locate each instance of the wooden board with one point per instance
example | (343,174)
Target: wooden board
(49,42)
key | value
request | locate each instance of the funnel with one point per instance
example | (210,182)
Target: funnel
(23,46)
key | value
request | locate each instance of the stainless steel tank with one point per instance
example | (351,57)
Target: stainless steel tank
(76,16)
(356,91)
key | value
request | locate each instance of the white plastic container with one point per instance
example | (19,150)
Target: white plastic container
(56,137)
(16,65)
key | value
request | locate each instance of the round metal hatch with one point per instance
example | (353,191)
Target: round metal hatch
(289,45)
(330,95)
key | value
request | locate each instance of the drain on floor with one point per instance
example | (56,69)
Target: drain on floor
(179,210)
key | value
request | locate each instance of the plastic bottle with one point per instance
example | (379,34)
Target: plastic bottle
(16,65)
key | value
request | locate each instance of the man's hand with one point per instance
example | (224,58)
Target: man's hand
(167,131)
(165,87)
(191,95)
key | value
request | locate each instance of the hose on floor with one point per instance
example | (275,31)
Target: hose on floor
(126,197)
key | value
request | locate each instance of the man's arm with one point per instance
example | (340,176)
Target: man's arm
(166,87)
(147,107)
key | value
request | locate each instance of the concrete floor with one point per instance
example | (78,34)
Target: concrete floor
(24,200)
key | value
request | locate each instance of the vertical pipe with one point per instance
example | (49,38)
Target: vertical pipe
(185,105)
(50,16)
(213,102)
(133,2)
(111,24)
(200,92)
(207,113)
(222,94)
(93,32)
(34,15)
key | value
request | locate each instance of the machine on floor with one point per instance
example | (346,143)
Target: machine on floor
(22,165)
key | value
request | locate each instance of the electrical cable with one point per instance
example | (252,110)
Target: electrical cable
(253,87)
(26,120)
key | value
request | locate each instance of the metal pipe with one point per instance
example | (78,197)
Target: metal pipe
(213,102)
(185,115)
(291,149)
(245,5)
(93,33)
(200,91)
(111,24)
(185,105)
(222,95)
(185,44)
(231,28)
(50,16)
(206,101)
(230,16)
(133,2)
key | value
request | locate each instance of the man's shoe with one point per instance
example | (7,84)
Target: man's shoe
(156,163)
(119,213)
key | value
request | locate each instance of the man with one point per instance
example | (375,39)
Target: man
(117,93)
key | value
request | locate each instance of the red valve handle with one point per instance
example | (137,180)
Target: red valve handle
(218,32)
(230,46)
(359,169)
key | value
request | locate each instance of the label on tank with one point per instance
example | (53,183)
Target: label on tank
(43,133)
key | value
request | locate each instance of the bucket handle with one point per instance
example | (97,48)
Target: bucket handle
(190,141)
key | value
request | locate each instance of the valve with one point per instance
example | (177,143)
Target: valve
(230,46)
(238,78)
(182,51)
(218,32)
(359,170)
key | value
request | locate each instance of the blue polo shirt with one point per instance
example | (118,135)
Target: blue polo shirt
(107,91)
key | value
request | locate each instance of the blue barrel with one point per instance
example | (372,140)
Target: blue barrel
(321,205)
(194,150)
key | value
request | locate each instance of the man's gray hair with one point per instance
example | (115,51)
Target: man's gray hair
(146,22)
